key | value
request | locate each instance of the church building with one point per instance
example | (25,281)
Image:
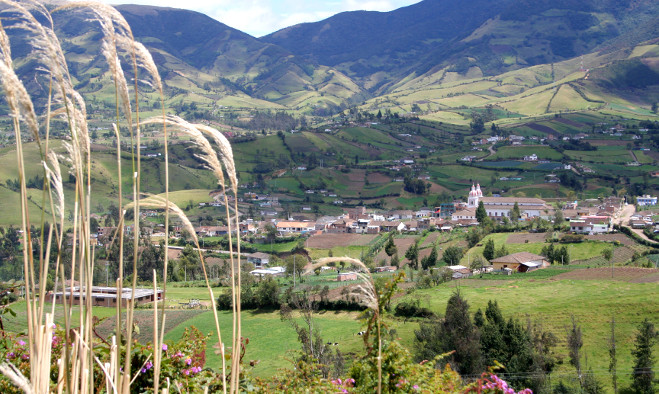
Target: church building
(499,207)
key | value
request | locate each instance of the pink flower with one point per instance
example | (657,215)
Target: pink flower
(21,342)
(164,347)
(188,361)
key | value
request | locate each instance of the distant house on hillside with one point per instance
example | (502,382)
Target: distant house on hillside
(259,259)
(346,276)
(520,262)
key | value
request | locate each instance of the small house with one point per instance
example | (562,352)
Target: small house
(346,276)
(520,262)
(259,259)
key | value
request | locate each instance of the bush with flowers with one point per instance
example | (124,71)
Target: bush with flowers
(182,362)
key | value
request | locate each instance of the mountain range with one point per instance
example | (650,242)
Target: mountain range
(353,57)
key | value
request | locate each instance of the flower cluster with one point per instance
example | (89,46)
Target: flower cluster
(497,385)
(193,370)
(147,366)
(343,385)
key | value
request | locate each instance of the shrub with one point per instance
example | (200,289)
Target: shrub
(413,309)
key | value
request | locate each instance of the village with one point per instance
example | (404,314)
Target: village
(589,217)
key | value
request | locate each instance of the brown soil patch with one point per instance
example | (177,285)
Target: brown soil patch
(174,253)
(437,189)
(652,278)
(356,175)
(569,122)
(144,320)
(653,154)
(378,177)
(430,238)
(542,128)
(625,274)
(328,241)
(523,238)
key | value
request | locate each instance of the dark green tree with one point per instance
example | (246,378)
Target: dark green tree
(549,252)
(455,333)
(412,254)
(477,123)
(488,251)
(502,251)
(430,260)
(515,213)
(452,255)
(481,213)
(473,237)
(525,350)
(267,293)
(390,247)
(562,256)
(643,373)
(152,258)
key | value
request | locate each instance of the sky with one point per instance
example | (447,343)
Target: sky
(261,17)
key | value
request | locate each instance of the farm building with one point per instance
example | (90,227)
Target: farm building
(346,276)
(259,259)
(386,268)
(104,296)
(521,262)
(274,271)
(459,271)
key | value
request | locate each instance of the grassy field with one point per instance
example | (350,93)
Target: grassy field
(552,302)
(542,296)
(271,341)
(577,251)
(511,152)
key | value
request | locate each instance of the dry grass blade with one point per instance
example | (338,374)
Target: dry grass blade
(16,377)
(365,289)
(157,202)
(54,174)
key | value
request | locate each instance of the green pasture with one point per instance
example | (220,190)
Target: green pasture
(577,251)
(514,152)
(272,342)
(613,156)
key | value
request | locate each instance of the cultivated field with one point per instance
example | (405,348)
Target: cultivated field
(329,241)
(625,274)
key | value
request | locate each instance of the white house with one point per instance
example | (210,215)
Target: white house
(591,225)
(294,227)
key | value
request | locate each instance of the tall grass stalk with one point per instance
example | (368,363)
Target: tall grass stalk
(367,293)
(76,372)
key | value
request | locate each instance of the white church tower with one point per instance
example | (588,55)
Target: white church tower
(474,194)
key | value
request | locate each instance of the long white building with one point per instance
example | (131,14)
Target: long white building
(499,207)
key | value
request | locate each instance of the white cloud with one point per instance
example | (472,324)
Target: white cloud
(261,17)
